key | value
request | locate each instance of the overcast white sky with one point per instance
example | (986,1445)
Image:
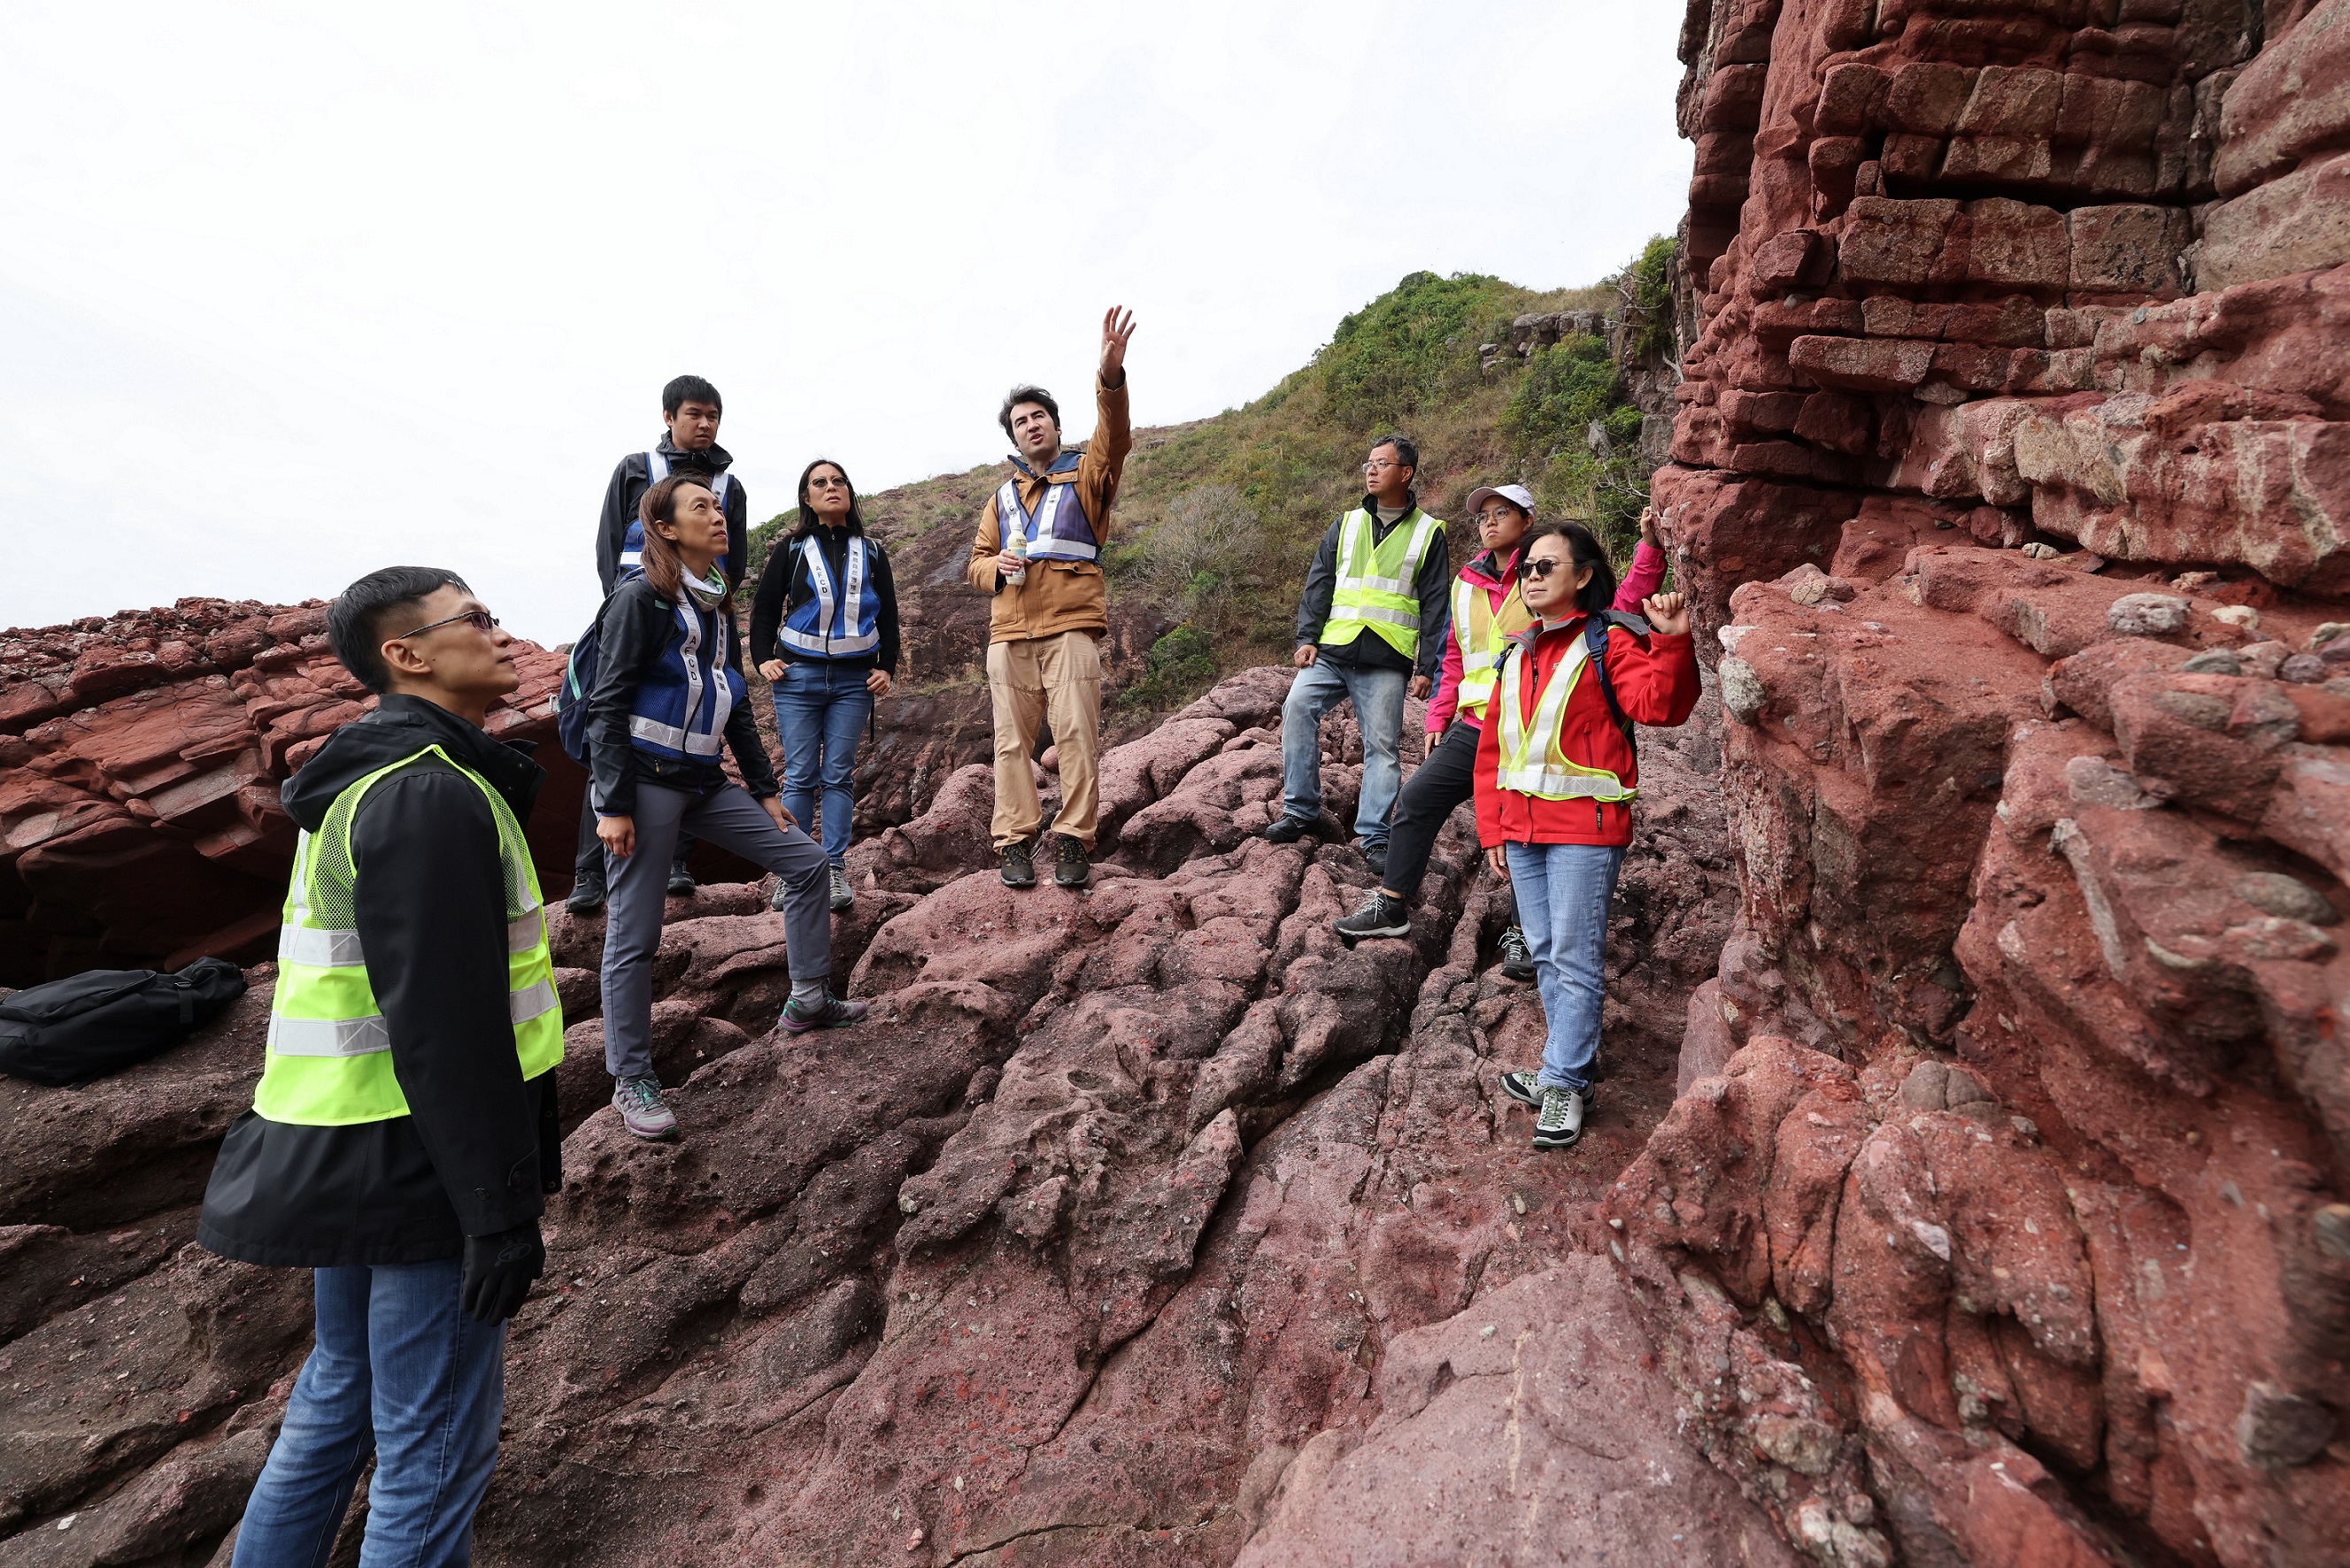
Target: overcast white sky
(289,292)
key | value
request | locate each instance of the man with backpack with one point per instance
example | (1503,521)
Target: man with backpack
(1370,626)
(1037,552)
(403,1133)
(690,409)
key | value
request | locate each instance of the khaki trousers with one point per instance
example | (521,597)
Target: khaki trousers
(1059,677)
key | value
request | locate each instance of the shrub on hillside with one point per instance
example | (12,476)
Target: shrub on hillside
(1187,559)
(1405,349)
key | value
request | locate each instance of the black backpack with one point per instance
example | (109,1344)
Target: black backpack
(83,1027)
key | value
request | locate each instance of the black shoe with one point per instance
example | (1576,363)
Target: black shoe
(1380,916)
(587,899)
(1375,856)
(1070,867)
(681,882)
(1019,869)
(1517,959)
(1285,829)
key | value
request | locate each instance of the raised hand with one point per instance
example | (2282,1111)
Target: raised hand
(1668,613)
(1117,327)
(1651,533)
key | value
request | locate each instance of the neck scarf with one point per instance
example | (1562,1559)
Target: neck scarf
(709,590)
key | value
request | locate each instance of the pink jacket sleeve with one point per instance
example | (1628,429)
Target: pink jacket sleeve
(1446,699)
(1647,574)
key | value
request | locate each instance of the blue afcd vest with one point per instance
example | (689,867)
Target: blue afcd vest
(632,543)
(838,620)
(1058,530)
(683,701)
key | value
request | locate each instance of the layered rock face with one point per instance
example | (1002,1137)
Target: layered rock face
(1143,1224)
(2003,1218)
(140,764)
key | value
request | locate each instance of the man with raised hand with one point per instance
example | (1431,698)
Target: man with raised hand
(403,1132)
(1037,551)
(1370,628)
(690,410)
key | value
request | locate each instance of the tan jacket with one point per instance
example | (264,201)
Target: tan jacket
(1059,595)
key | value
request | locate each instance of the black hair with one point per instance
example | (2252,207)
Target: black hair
(1406,452)
(1583,549)
(355,620)
(807,523)
(1026,394)
(689,389)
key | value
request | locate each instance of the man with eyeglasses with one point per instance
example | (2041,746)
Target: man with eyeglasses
(1370,628)
(403,1133)
(690,410)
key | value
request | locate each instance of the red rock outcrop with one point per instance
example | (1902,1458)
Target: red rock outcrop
(2003,1217)
(1148,1223)
(139,762)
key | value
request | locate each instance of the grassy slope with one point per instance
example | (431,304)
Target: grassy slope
(1287,463)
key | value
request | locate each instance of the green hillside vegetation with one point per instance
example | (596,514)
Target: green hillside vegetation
(1218,520)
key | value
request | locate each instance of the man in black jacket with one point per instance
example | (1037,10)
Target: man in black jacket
(403,1133)
(690,409)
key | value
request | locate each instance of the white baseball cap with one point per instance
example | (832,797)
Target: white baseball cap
(1516,495)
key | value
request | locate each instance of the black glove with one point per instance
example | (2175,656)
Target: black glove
(499,1270)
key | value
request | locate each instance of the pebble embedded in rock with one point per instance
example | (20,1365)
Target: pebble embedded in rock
(2147,615)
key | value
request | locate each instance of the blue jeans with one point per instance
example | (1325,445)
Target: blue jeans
(399,1371)
(1378,697)
(1563,893)
(821,710)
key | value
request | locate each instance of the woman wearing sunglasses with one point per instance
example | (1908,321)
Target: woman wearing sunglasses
(1556,774)
(1486,613)
(669,694)
(824,630)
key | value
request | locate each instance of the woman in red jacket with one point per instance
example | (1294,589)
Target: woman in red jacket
(1555,778)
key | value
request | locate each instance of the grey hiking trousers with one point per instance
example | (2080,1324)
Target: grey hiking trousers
(639,888)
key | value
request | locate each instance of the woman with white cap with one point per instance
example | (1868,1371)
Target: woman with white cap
(1486,612)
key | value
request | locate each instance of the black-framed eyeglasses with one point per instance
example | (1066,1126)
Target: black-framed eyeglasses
(481,620)
(1539,566)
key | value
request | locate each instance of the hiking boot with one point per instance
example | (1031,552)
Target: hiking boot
(1285,829)
(587,898)
(642,1110)
(681,882)
(1070,867)
(1559,1123)
(1380,916)
(1517,959)
(1019,869)
(1375,856)
(835,1013)
(843,897)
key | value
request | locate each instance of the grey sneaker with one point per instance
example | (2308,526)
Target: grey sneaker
(780,899)
(837,1012)
(1522,1088)
(843,897)
(1380,916)
(1517,958)
(642,1110)
(1559,1124)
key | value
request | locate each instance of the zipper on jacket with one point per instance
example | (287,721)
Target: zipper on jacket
(1599,818)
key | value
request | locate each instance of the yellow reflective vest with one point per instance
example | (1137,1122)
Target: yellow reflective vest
(1375,584)
(329,1060)
(1482,631)
(1531,761)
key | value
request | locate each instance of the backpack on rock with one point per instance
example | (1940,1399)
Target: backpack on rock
(70,1031)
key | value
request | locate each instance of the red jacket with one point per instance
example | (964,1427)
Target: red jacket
(1657,686)
(1647,574)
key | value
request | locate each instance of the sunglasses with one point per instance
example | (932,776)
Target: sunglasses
(479,620)
(1540,567)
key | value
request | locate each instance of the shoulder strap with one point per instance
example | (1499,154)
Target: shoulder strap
(1595,644)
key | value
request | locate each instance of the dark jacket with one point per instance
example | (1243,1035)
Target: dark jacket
(632,478)
(634,633)
(479,1146)
(1432,586)
(784,586)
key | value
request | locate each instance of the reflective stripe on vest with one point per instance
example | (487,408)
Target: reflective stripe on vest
(632,543)
(1482,631)
(855,613)
(1531,761)
(1058,529)
(660,722)
(328,1059)
(1374,587)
